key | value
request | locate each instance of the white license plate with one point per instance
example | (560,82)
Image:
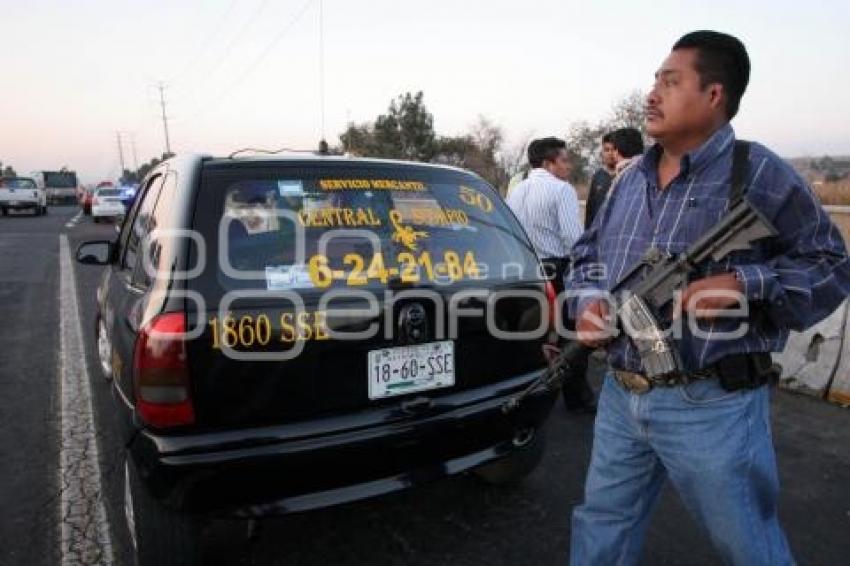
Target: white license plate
(408,369)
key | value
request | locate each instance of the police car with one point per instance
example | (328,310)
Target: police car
(107,204)
(292,332)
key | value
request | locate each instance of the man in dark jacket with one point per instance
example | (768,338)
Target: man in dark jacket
(601,180)
(618,147)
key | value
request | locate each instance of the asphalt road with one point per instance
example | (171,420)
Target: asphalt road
(458,522)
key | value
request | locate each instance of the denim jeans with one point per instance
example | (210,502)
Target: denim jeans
(716,448)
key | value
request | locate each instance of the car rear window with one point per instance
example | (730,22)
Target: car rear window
(60,180)
(109,192)
(283,228)
(17,183)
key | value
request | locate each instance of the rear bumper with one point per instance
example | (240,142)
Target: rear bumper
(107,211)
(61,196)
(304,466)
(20,204)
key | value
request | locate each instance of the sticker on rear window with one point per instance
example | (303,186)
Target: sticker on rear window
(380,184)
(284,277)
(291,188)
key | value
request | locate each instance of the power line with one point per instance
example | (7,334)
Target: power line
(252,67)
(206,43)
(229,49)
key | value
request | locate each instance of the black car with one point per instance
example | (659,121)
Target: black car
(288,333)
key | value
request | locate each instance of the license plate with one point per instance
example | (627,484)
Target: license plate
(408,369)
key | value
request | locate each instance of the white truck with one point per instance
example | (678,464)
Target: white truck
(59,186)
(22,193)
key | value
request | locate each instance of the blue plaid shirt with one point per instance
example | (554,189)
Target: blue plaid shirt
(791,282)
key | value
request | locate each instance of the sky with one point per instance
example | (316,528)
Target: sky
(246,73)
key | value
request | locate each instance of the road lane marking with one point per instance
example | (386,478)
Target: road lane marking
(73,221)
(84,530)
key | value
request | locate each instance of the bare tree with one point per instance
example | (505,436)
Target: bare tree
(584,140)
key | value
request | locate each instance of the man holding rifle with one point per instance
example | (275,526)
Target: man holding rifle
(704,424)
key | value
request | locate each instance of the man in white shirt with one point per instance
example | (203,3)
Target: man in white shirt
(547,207)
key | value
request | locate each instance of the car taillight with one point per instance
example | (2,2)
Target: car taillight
(551,297)
(94,200)
(160,373)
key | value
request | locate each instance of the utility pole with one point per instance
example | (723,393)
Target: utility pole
(164,118)
(135,155)
(120,152)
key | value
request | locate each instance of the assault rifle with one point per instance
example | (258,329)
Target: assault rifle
(637,303)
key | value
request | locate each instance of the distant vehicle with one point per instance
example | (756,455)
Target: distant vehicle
(22,193)
(106,204)
(86,194)
(207,434)
(59,186)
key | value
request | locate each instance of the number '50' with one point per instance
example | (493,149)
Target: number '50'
(474,198)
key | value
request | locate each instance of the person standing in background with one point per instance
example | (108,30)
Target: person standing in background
(628,143)
(601,180)
(618,149)
(547,207)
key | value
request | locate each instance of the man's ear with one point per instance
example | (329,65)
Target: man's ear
(716,95)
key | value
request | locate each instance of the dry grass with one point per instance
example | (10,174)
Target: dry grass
(833,193)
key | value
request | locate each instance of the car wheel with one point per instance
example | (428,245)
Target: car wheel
(516,466)
(3,211)
(104,350)
(97,219)
(159,536)
(44,210)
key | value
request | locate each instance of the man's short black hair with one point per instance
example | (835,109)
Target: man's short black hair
(544,149)
(721,58)
(627,141)
(533,155)
(607,138)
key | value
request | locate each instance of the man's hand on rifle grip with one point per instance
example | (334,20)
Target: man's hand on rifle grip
(704,298)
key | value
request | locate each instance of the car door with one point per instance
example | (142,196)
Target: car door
(126,287)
